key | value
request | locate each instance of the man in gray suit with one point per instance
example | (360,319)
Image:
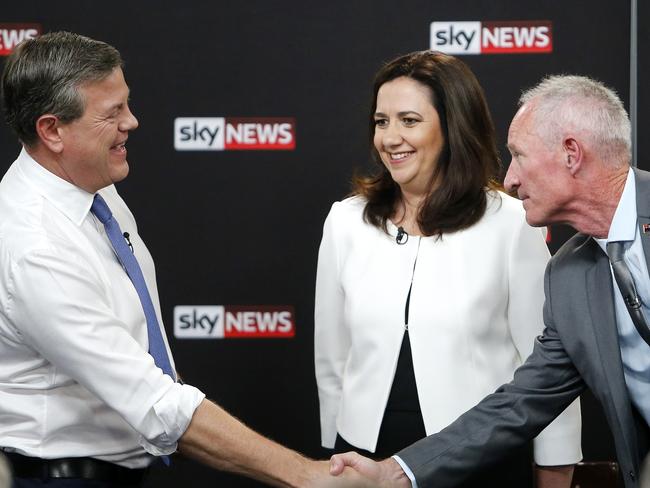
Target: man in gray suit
(570,146)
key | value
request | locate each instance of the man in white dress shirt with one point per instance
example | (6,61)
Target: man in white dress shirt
(82,402)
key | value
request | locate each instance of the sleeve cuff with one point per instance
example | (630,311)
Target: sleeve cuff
(407,471)
(174,412)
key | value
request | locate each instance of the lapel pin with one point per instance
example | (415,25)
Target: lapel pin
(646,228)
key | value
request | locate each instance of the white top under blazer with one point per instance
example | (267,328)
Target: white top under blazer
(475,309)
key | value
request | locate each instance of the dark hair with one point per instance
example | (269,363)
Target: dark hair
(468,163)
(42,76)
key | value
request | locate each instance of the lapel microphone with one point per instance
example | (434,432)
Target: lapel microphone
(127,238)
(402,236)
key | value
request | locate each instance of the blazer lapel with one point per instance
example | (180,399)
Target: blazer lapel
(603,318)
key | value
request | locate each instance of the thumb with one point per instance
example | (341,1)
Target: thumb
(336,465)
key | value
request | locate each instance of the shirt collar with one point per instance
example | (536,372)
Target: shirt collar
(70,200)
(623,226)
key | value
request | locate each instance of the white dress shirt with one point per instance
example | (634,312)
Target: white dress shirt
(75,375)
(475,309)
(635,353)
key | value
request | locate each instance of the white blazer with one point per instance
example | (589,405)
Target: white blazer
(475,309)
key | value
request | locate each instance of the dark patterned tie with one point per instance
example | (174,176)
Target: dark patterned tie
(625,283)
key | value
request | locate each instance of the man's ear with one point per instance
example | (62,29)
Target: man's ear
(574,155)
(47,128)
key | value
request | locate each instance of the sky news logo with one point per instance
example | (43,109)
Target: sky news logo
(229,133)
(233,321)
(13,34)
(510,37)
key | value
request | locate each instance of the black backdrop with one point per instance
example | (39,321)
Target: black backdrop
(243,227)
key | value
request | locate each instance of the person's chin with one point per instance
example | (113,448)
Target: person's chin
(120,173)
(535,221)
(401,176)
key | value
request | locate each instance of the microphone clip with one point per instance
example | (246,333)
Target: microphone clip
(127,238)
(402,236)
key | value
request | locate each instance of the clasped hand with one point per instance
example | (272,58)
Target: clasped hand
(355,471)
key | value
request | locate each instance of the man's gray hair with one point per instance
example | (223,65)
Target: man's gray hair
(42,76)
(563,103)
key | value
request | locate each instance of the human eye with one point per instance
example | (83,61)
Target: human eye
(409,121)
(381,122)
(113,113)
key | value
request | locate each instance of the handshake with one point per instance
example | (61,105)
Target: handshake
(355,471)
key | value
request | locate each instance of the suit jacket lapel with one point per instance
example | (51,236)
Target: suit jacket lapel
(600,297)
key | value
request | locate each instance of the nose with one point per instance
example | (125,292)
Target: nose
(128,122)
(391,136)
(511,181)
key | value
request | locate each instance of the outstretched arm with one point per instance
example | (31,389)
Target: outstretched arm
(221,441)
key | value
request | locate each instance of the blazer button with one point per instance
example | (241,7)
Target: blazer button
(632,475)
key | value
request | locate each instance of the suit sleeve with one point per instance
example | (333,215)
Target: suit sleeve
(331,336)
(541,388)
(560,442)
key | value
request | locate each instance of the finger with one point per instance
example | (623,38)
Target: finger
(340,461)
(336,465)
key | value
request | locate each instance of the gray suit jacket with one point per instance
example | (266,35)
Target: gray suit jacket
(579,348)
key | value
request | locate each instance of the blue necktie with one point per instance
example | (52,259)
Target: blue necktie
(130,264)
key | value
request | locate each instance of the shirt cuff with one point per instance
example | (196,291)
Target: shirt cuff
(407,471)
(172,414)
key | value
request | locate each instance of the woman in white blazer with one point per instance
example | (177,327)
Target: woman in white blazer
(429,285)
